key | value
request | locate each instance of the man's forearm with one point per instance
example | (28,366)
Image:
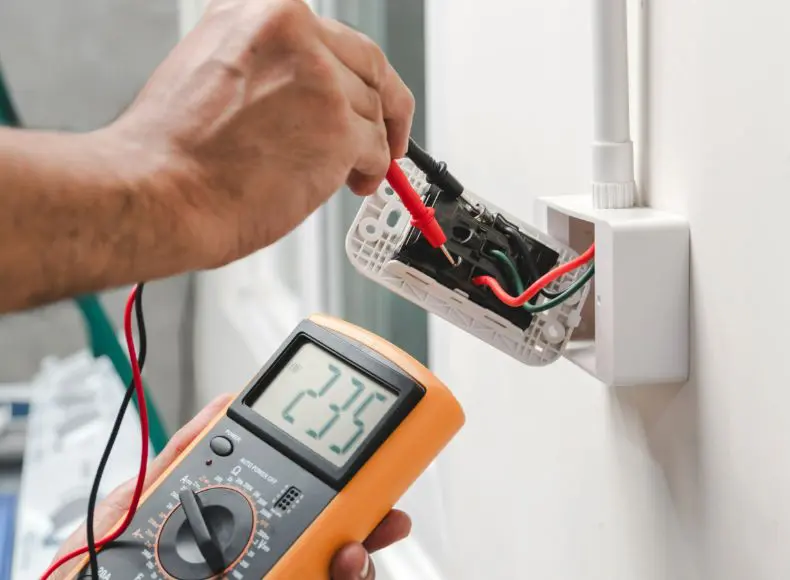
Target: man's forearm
(227,148)
(86,212)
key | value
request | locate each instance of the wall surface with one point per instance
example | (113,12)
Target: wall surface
(555,476)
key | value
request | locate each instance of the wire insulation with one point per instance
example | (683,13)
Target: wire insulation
(138,490)
(116,428)
(436,172)
(538,285)
(511,230)
(553,302)
(525,252)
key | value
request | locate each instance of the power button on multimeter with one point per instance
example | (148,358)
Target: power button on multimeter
(222,446)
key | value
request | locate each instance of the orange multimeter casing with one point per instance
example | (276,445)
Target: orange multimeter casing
(310,456)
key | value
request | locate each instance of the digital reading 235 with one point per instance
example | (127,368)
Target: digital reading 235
(310,456)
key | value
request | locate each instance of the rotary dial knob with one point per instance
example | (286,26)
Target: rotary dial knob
(206,534)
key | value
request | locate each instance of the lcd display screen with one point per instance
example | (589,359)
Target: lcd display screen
(324,403)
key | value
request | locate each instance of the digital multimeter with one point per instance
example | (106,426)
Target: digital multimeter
(309,457)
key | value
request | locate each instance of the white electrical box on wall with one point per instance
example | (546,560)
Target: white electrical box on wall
(635,330)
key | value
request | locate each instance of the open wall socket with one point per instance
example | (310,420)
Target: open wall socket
(384,247)
(635,330)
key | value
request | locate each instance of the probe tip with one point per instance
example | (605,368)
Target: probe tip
(447,255)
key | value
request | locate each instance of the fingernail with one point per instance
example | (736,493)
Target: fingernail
(365,568)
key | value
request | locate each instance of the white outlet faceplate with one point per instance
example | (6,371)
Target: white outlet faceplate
(640,333)
(381,227)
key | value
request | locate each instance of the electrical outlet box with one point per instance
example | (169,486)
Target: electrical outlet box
(636,330)
(383,246)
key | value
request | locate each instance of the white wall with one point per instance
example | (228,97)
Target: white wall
(555,476)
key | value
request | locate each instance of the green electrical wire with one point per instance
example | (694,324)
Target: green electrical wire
(549,304)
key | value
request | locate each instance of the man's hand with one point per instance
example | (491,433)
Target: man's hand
(351,563)
(266,110)
(253,121)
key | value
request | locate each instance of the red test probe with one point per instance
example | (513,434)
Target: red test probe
(423,218)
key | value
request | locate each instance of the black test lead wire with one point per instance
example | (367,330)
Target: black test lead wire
(116,428)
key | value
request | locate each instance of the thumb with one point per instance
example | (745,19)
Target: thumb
(110,510)
(353,563)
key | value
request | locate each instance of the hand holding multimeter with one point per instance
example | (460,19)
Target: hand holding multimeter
(350,563)
(309,457)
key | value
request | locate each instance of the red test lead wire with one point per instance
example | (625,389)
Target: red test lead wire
(423,218)
(143,411)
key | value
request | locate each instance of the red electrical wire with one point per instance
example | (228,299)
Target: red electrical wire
(540,284)
(143,411)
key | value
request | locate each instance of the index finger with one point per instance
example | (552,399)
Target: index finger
(394,528)
(366,59)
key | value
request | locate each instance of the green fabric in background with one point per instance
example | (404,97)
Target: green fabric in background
(8,116)
(101,333)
